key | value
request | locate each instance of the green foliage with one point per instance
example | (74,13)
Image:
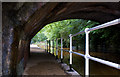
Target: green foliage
(63,28)
(38,37)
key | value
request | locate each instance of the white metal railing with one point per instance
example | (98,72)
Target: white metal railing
(56,48)
(61,49)
(87,56)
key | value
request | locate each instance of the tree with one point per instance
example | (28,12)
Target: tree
(106,36)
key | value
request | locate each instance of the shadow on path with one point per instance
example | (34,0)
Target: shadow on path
(42,63)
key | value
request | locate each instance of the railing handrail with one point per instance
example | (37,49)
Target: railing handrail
(66,50)
(112,64)
(114,22)
(81,32)
(86,55)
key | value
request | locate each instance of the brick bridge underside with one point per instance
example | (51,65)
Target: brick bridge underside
(21,21)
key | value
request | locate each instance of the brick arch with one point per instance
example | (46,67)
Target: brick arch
(100,12)
(21,21)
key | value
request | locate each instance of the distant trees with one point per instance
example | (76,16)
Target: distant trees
(38,37)
(64,28)
(107,37)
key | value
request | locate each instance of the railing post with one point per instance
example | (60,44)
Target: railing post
(56,48)
(87,53)
(45,46)
(49,47)
(61,50)
(53,47)
(70,53)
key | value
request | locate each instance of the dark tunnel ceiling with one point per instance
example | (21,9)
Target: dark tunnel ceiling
(33,16)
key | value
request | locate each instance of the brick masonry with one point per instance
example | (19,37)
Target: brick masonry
(0,38)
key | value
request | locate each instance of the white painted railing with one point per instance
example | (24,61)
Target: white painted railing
(87,56)
(56,48)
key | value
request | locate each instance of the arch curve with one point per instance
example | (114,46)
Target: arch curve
(21,21)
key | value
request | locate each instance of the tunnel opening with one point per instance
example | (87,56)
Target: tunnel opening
(57,30)
(72,26)
(21,21)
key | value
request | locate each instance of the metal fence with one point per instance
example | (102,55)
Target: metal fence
(87,55)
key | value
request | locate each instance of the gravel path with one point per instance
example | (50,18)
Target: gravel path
(41,63)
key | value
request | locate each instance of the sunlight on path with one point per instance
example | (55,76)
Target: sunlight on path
(33,45)
(41,63)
